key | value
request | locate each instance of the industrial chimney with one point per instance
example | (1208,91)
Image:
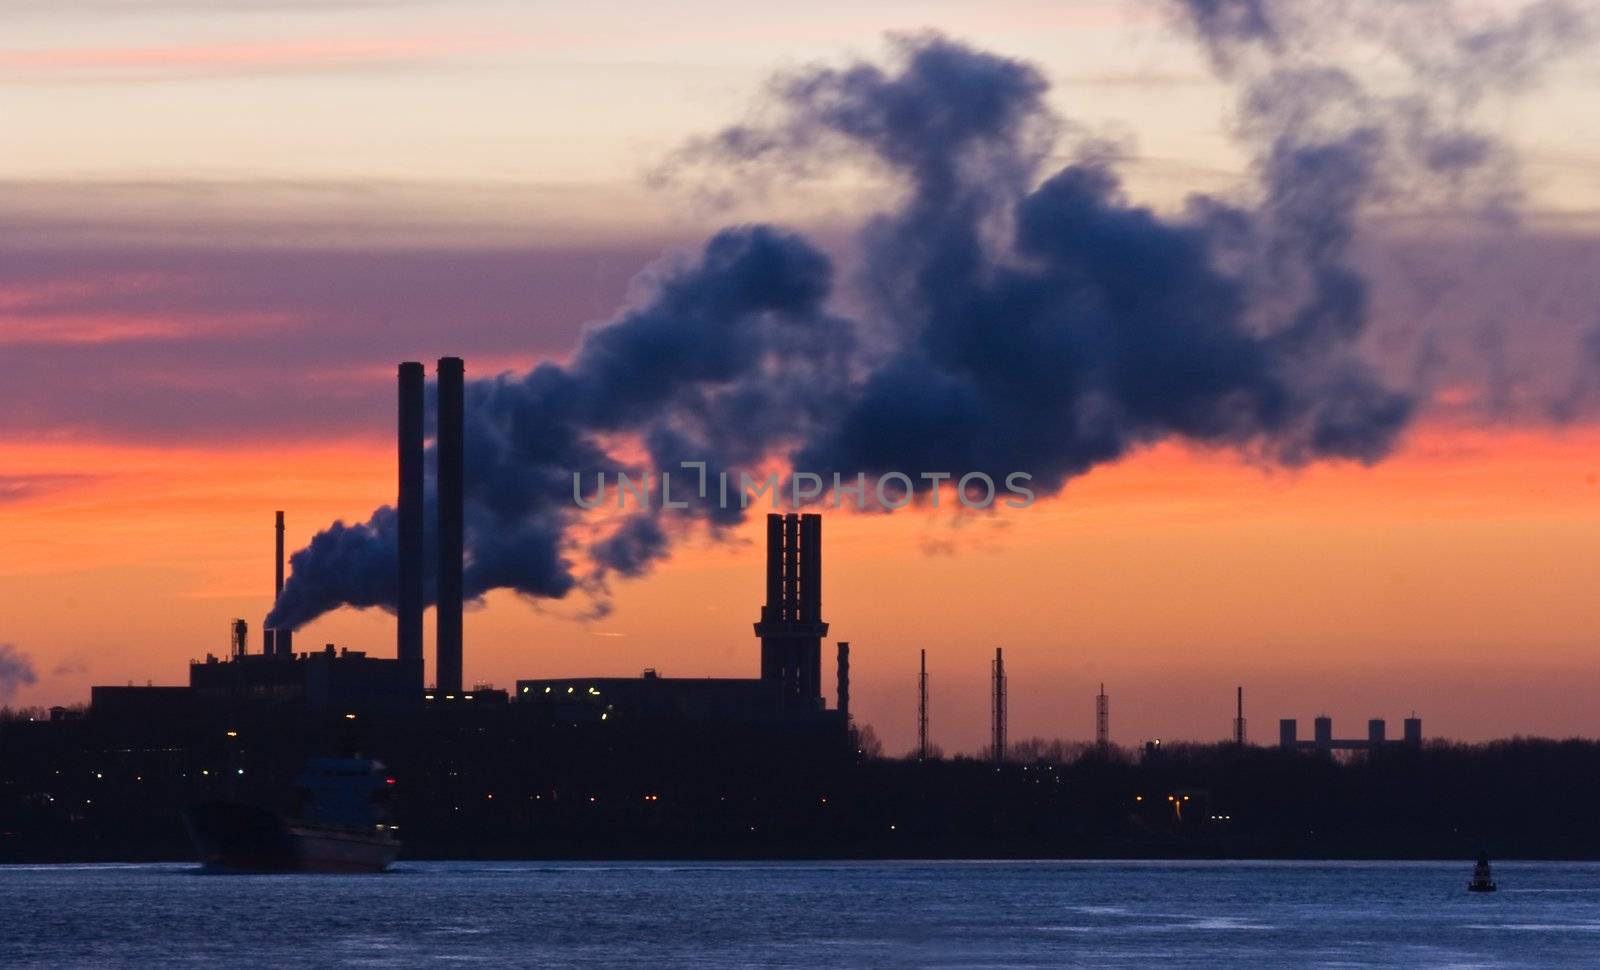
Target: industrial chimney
(922,709)
(998,707)
(277,588)
(408,632)
(844,681)
(1238,720)
(279,643)
(791,627)
(1102,719)
(452,428)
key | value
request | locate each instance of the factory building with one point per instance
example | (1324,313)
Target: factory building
(595,699)
(790,628)
(343,679)
(1323,740)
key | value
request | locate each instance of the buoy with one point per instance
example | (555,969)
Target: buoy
(1482,879)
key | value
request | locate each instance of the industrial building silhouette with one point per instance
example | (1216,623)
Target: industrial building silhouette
(1323,740)
(787,690)
(657,766)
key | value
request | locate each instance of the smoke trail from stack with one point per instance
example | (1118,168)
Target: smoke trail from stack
(1012,317)
(16,670)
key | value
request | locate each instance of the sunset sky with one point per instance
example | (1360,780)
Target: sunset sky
(223,223)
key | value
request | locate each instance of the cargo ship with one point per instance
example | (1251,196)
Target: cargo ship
(340,823)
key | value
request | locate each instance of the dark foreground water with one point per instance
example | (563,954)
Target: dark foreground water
(943,914)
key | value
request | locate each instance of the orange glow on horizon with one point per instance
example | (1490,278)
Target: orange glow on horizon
(1462,564)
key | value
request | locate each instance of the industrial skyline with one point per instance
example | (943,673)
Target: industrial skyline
(788,688)
(1393,505)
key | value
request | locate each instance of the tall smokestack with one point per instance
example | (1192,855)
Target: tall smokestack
(452,428)
(279,644)
(791,567)
(998,708)
(1102,719)
(811,569)
(791,626)
(1238,718)
(772,610)
(277,587)
(408,626)
(844,680)
(922,709)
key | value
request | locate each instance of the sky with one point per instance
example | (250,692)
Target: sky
(223,223)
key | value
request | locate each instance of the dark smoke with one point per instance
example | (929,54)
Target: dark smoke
(16,670)
(1012,318)
(732,352)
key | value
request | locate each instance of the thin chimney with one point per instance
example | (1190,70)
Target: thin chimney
(452,429)
(922,708)
(844,681)
(1102,719)
(280,643)
(408,632)
(1238,720)
(998,707)
(277,587)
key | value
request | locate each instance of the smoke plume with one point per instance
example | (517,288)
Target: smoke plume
(16,670)
(1004,316)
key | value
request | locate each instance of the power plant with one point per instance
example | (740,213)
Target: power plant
(786,691)
(790,627)
(655,765)
(789,688)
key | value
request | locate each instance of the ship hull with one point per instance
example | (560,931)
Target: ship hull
(232,837)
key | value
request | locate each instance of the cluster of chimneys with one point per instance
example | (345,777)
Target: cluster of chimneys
(449,497)
(411,548)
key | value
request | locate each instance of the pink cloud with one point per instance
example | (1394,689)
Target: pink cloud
(87,308)
(247,57)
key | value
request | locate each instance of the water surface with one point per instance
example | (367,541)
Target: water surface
(933,914)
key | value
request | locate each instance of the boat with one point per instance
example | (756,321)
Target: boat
(339,823)
(1482,879)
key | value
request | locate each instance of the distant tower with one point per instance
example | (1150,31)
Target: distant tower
(998,707)
(1238,720)
(1102,719)
(241,638)
(1377,732)
(1413,729)
(1322,732)
(922,710)
(791,627)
